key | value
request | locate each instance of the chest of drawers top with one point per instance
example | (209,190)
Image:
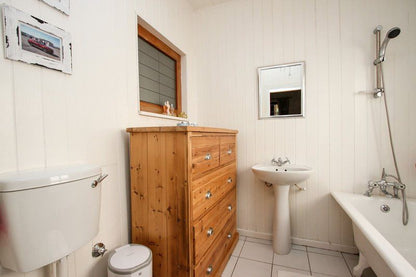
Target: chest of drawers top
(180,129)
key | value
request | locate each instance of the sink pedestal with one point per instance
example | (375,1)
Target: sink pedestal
(282,177)
(281,220)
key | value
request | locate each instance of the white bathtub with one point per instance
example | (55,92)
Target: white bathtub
(383,241)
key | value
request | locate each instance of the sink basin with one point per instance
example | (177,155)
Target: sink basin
(282,175)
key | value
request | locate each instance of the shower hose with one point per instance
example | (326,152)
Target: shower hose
(405,211)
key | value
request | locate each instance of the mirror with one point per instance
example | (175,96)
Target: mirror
(282,90)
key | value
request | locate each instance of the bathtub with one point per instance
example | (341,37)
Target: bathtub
(384,243)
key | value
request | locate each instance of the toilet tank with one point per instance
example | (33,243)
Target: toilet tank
(47,214)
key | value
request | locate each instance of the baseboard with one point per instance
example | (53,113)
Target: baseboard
(305,242)
(253,234)
(326,245)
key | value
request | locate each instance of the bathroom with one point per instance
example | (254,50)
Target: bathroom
(50,118)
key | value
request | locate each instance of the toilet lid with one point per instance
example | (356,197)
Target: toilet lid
(129,258)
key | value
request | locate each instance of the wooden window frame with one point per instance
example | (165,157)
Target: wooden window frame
(161,46)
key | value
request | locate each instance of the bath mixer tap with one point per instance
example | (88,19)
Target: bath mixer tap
(384,184)
(280,162)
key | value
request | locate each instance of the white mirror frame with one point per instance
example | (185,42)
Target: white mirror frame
(302,114)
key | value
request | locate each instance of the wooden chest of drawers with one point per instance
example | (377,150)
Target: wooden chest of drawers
(183,197)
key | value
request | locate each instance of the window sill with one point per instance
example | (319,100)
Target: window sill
(163,116)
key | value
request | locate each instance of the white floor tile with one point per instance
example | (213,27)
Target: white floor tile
(238,247)
(324,251)
(329,265)
(257,251)
(314,274)
(263,241)
(242,237)
(351,259)
(229,268)
(281,271)
(295,259)
(298,247)
(249,268)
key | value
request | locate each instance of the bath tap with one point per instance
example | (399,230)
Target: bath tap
(397,185)
(280,162)
(371,186)
(383,185)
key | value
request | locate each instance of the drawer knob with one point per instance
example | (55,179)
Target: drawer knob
(208,156)
(230,180)
(229,151)
(210,232)
(229,235)
(208,195)
(230,207)
(209,270)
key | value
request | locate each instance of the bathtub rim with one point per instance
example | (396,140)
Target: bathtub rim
(392,257)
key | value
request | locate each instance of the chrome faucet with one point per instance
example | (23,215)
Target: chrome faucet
(280,162)
(384,184)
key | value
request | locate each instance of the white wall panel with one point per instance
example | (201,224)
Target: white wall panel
(8,158)
(29,116)
(50,118)
(343,136)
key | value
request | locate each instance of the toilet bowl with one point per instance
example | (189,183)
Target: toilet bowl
(131,260)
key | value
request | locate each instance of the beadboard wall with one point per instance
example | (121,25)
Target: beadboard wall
(343,135)
(49,118)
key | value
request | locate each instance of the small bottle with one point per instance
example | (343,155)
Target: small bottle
(276,109)
(172,110)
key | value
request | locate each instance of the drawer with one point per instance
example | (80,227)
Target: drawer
(207,190)
(209,265)
(227,149)
(205,154)
(211,225)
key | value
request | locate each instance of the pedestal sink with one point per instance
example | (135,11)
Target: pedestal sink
(281,177)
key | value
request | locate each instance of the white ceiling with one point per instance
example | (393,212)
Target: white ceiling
(198,4)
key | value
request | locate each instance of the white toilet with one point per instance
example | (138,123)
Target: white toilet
(131,260)
(46,214)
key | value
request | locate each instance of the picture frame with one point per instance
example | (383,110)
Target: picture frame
(34,41)
(62,5)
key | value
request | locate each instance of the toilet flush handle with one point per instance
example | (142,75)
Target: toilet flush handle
(99,180)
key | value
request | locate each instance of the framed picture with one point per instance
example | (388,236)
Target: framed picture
(62,5)
(32,40)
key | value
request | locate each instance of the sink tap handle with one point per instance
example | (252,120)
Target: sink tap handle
(280,162)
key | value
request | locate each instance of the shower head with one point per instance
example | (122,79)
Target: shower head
(392,33)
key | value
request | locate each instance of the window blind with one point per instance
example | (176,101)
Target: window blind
(157,75)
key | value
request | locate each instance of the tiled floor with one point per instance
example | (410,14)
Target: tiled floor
(255,257)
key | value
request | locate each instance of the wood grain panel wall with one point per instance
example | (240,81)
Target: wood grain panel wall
(343,136)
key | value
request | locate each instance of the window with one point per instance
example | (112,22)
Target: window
(159,74)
